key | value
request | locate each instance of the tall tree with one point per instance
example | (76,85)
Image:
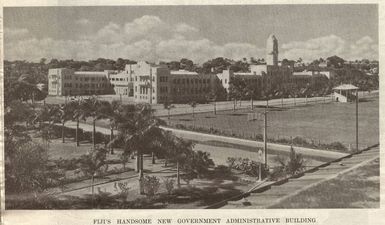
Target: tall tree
(212,97)
(193,104)
(138,133)
(112,111)
(46,117)
(167,105)
(65,114)
(92,163)
(77,112)
(91,109)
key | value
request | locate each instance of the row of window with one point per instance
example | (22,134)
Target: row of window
(92,79)
(69,85)
(190,91)
(120,79)
(143,90)
(144,97)
(163,79)
(163,89)
(144,78)
(192,81)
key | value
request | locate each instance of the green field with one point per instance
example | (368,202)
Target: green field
(325,123)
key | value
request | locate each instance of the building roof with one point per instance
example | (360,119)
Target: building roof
(90,73)
(246,74)
(303,73)
(183,72)
(346,87)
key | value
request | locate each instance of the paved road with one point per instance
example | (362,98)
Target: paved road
(276,147)
(323,154)
(277,193)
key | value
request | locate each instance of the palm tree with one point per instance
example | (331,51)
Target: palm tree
(48,114)
(193,104)
(250,92)
(212,97)
(138,133)
(168,143)
(93,162)
(76,108)
(167,105)
(182,150)
(65,114)
(90,109)
(112,111)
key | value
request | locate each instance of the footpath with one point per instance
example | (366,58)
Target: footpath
(269,195)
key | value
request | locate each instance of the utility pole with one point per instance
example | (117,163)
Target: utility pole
(265,136)
(150,87)
(357,120)
(281,101)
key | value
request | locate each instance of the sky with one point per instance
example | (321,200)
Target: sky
(166,33)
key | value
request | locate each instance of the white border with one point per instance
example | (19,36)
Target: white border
(84,217)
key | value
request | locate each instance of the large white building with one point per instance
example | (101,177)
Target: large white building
(152,83)
(265,75)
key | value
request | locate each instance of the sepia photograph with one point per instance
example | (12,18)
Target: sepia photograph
(241,106)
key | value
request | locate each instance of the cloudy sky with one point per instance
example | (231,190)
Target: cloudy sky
(196,32)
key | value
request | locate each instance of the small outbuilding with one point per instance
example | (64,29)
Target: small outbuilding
(345,93)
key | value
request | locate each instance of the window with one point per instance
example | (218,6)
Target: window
(225,81)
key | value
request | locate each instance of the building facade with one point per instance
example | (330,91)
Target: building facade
(150,83)
(157,84)
(65,82)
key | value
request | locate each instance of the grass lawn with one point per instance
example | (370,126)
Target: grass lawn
(325,123)
(359,188)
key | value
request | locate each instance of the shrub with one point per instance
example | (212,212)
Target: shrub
(197,163)
(296,162)
(291,165)
(122,188)
(180,126)
(249,167)
(300,141)
(169,185)
(151,185)
(222,171)
(337,146)
(231,162)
